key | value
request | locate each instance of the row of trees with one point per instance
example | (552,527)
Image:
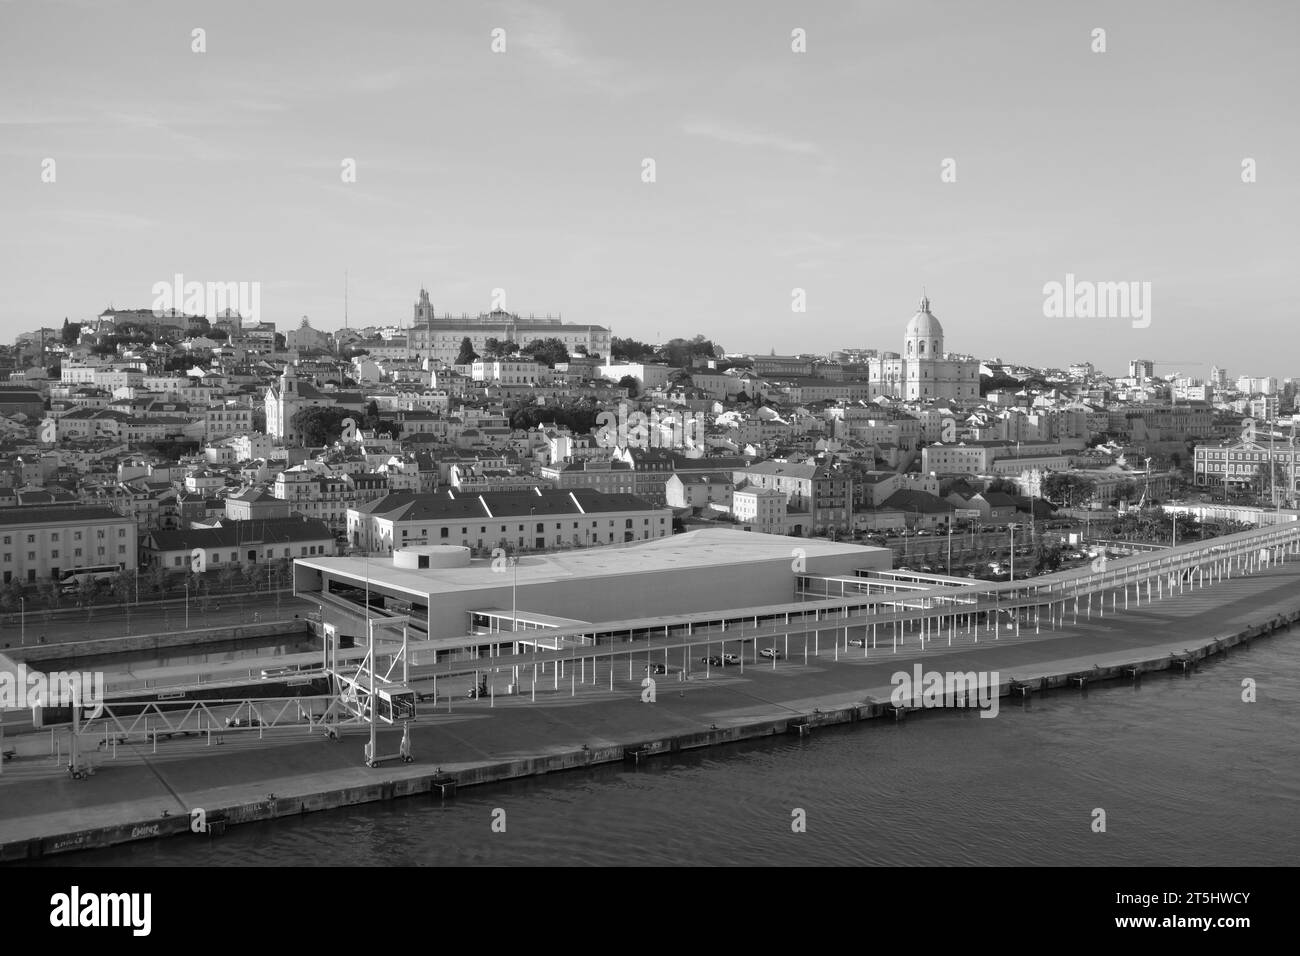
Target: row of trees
(322,425)
(678,352)
(153,583)
(549,351)
(579,416)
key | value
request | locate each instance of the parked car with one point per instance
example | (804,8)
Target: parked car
(771,653)
(711,661)
(730,659)
(857,643)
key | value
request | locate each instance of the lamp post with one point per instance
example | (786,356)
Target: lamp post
(1012,528)
(187,604)
(949,546)
(22,612)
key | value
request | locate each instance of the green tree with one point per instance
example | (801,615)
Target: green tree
(467,354)
(491,348)
(630,383)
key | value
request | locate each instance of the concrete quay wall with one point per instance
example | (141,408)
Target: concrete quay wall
(405,781)
(72,651)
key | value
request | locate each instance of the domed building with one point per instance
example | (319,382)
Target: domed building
(923,369)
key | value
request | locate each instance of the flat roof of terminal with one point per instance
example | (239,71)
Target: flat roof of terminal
(706,548)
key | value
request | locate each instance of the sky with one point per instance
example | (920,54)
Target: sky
(774,170)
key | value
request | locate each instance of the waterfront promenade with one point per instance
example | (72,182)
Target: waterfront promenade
(38,799)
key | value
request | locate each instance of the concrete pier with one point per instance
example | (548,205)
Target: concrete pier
(243,777)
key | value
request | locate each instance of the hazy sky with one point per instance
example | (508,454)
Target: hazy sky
(775,170)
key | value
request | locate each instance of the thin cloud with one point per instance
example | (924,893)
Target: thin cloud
(736,136)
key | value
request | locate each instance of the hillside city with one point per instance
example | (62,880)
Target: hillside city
(146,453)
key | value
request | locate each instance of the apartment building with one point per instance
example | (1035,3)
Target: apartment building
(40,542)
(821,496)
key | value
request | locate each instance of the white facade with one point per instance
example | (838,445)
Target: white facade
(762,508)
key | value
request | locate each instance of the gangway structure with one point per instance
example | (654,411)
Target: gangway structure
(368,691)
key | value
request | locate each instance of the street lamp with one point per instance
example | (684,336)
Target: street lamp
(22,612)
(1012,528)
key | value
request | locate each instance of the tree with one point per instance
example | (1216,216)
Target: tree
(491,348)
(123,585)
(218,335)
(467,354)
(279,342)
(1047,557)
(86,590)
(683,353)
(548,351)
(580,350)
(227,576)
(319,424)
(10,592)
(48,592)
(999,382)
(1269,475)
(156,579)
(372,415)
(71,331)
(629,350)
(1066,489)
(1125,490)
(251,576)
(630,383)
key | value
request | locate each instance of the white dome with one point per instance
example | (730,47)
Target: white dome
(924,325)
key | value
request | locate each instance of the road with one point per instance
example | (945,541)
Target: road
(104,621)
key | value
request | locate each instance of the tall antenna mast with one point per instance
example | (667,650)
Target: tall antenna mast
(345,298)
